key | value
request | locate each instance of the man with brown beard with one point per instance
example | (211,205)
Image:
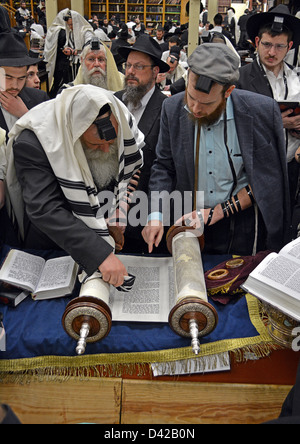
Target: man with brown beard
(144,100)
(229,145)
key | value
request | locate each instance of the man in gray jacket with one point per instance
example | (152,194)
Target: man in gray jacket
(229,145)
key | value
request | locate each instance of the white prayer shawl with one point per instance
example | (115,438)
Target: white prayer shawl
(82,32)
(58,125)
(237,29)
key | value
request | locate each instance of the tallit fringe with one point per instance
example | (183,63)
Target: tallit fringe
(56,368)
(119,370)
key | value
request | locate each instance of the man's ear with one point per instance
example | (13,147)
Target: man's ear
(229,91)
(156,70)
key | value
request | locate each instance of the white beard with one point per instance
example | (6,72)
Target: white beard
(104,166)
(170,75)
(99,80)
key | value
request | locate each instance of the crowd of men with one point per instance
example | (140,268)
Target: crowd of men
(221,133)
(221,141)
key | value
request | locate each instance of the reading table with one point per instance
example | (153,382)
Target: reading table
(114,382)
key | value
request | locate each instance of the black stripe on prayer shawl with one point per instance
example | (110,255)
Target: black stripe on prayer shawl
(121,175)
(83,208)
(129,175)
(130,122)
(91,191)
(71,184)
(130,159)
(129,142)
(102,233)
(65,183)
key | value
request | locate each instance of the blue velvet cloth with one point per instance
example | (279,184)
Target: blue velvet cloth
(34,328)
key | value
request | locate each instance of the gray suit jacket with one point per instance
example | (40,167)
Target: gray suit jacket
(261,137)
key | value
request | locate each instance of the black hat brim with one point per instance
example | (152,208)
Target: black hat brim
(124,52)
(18,62)
(255,23)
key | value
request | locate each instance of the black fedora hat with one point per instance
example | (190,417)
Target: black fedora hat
(13,51)
(123,33)
(273,17)
(149,46)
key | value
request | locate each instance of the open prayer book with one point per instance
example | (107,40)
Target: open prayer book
(152,296)
(276,280)
(44,279)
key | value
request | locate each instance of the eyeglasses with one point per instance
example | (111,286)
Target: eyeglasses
(278,47)
(94,59)
(137,67)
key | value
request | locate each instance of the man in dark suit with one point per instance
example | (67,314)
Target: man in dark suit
(144,100)
(275,33)
(229,145)
(15,99)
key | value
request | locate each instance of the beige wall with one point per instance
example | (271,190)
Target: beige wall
(212,10)
(78,5)
(51,11)
(52,8)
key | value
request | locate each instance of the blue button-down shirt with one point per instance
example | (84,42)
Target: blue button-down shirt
(215,176)
(215,179)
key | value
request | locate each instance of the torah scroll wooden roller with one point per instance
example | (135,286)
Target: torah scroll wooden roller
(88,318)
(192,316)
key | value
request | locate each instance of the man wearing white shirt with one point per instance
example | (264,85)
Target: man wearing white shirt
(275,33)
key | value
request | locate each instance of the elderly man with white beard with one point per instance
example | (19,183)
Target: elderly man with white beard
(62,158)
(98,67)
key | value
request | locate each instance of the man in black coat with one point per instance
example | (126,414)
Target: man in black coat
(144,100)
(275,33)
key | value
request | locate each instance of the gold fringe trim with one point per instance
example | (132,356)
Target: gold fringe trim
(224,288)
(114,365)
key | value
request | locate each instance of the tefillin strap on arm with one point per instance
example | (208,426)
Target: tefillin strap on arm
(104,126)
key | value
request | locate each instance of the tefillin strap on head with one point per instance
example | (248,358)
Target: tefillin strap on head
(94,43)
(204,84)
(277,25)
(104,126)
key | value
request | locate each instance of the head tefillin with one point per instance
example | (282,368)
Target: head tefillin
(204,84)
(95,44)
(67,16)
(104,126)
(277,25)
